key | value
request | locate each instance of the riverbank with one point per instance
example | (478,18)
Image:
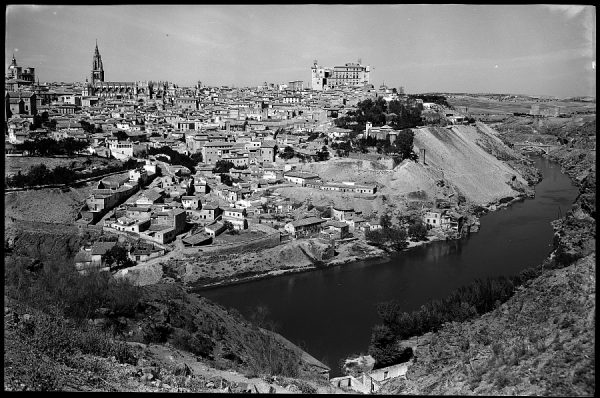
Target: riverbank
(541,341)
(343,257)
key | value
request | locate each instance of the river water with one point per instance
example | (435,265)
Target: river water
(330,312)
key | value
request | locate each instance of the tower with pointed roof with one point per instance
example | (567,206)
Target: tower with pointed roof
(13,69)
(97,68)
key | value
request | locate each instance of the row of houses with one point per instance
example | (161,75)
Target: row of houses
(312,180)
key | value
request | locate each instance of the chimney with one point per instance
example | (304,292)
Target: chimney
(422,155)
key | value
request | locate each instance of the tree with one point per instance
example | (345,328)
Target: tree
(386,221)
(396,238)
(72,145)
(223,166)
(62,175)
(323,154)
(176,157)
(121,135)
(38,175)
(117,258)
(226,179)
(374,238)
(403,145)
(37,122)
(384,347)
(288,153)
(417,231)
(197,157)
(228,225)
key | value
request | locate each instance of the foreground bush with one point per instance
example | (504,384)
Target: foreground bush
(462,304)
(74,295)
(61,339)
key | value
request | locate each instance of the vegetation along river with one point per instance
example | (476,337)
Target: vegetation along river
(330,312)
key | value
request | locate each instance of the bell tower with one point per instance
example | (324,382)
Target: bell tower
(97,68)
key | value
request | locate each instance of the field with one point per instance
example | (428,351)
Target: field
(485,105)
(46,205)
(14,164)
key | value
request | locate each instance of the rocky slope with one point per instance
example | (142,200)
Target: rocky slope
(173,342)
(462,160)
(37,361)
(540,342)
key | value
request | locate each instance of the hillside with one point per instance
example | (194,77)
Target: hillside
(458,153)
(458,161)
(171,342)
(540,342)
(46,205)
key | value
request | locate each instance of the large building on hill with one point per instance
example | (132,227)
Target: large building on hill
(350,74)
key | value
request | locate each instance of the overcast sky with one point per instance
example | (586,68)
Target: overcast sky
(521,49)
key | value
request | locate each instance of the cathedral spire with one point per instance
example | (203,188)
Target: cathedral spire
(97,67)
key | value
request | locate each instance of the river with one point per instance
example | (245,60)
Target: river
(330,312)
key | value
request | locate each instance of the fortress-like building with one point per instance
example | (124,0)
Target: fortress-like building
(97,87)
(351,74)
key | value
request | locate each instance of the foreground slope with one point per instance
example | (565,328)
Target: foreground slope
(540,342)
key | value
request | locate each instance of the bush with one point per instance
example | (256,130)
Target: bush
(52,335)
(417,231)
(197,344)
(385,349)
(464,303)
(75,295)
(270,358)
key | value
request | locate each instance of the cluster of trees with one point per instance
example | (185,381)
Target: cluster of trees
(51,147)
(394,237)
(482,296)
(405,117)
(344,148)
(223,166)
(117,258)
(368,111)
(41,175)
(380,112)
(90,128)
(177,158)
(389,237)
(42,120)
(288,153)
(402,147)
(323,154)
(416,229)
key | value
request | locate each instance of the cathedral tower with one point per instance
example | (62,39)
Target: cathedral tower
(97,68)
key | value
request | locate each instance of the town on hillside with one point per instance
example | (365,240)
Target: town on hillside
(205,167)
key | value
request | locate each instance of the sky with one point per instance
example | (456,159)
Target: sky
(518,49)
